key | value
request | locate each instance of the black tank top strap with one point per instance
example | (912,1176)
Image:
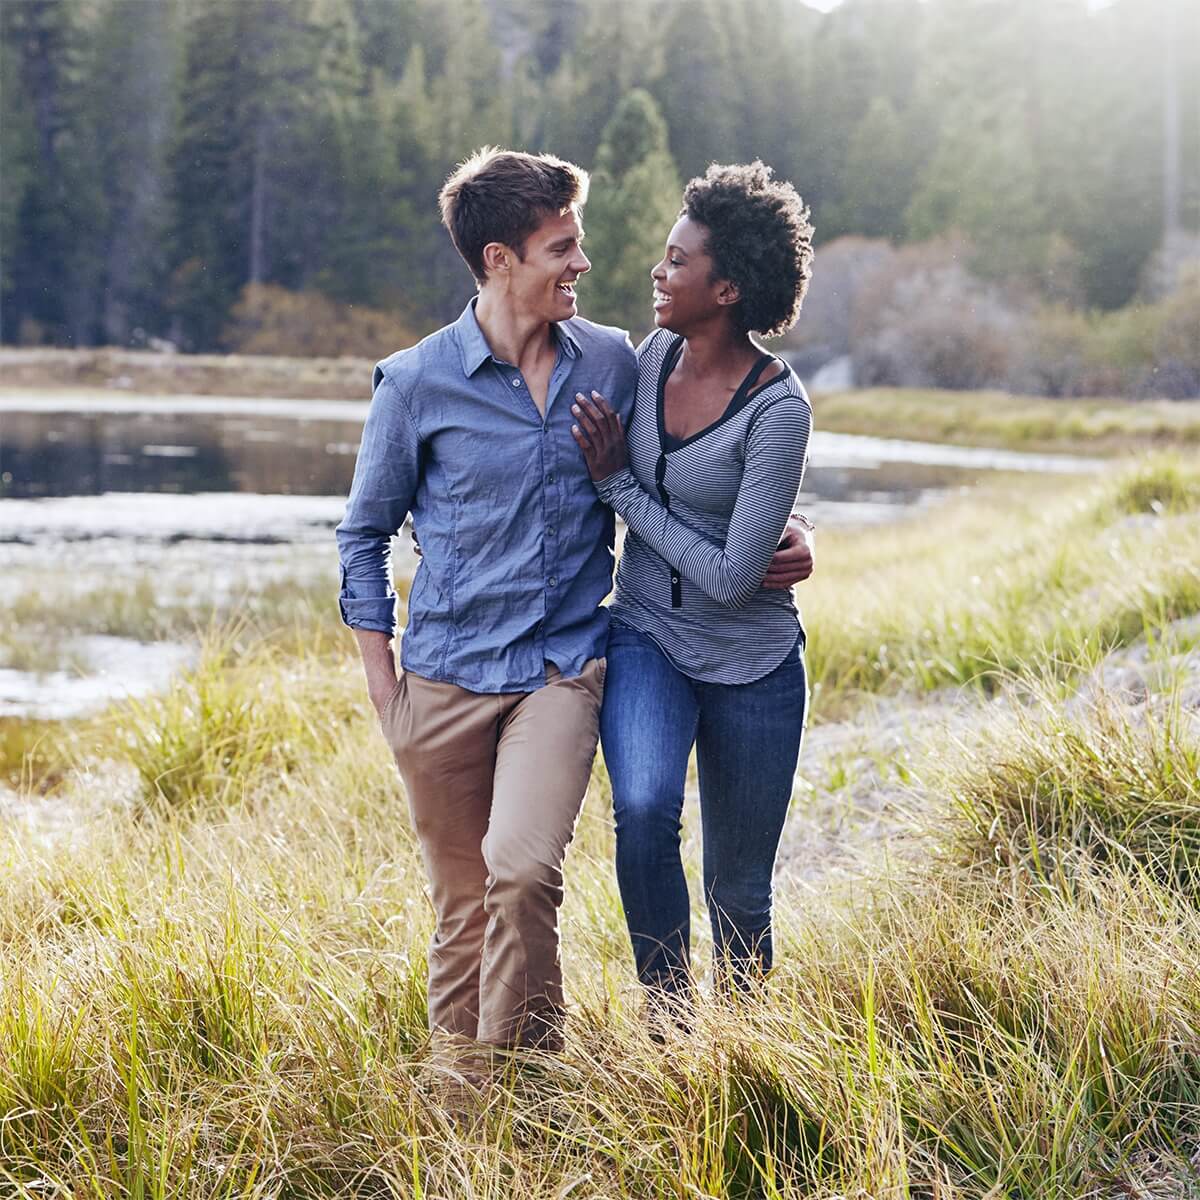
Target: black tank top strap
(756,371)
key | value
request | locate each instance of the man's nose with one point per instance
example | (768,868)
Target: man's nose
(581,264)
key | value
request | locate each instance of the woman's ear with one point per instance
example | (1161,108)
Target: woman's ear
(728,293)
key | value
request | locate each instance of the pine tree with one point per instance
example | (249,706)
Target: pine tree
(209,192)
(633,202)
(767,46)
(18,171)
(617,50)
(981,183)
(55,262)
(699,90)
(132,92)
(877,179)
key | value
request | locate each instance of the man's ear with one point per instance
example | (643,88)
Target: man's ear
(497,258)
(728,293)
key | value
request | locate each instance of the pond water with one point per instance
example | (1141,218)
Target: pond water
(221,497)
(91,445)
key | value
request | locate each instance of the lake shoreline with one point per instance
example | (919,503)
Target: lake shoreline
(1004,420)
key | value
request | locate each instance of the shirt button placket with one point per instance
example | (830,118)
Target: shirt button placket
(550,550)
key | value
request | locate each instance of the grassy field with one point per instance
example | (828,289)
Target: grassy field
(213,973)
(188,374)
(996,419)
(1100,427)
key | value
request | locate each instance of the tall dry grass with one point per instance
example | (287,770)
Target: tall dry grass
(213,985)
(1032,573)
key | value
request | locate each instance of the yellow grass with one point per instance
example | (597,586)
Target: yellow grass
(212,979)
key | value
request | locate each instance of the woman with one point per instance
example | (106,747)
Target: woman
(700,651)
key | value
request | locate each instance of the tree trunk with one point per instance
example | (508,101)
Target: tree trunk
(1172,139)
(258,204)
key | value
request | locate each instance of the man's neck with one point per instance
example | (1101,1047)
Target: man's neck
(511,337)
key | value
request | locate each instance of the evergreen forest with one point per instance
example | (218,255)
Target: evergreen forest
(170,164)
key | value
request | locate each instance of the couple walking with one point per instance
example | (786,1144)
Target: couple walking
(511,437)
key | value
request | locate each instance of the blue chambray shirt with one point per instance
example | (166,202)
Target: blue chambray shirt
(517,547)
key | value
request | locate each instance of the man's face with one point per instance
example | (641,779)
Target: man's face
(542,286)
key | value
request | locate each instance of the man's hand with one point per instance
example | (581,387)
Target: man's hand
(379,689)
(599,435)
(793,561)
(379,665)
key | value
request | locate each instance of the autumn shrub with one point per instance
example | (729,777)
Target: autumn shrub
(1177,341)
(826,322)
(919,317)
(273,320)
(1053,354)
(923,320)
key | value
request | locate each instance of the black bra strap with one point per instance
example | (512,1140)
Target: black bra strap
(757,370)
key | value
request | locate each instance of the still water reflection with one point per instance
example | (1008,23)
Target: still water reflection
(87,453)
(200,445)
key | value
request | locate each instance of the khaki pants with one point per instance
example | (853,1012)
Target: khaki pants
(495,784)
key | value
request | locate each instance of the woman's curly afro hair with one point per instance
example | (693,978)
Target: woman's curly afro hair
(759,238)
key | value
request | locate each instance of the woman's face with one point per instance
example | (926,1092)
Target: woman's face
(685,293)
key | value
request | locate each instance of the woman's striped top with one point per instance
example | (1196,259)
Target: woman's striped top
(704,517)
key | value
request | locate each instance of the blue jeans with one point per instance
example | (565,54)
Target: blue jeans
(747,739)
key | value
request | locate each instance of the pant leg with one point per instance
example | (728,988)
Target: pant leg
(543,765)
(444,741)
(647,727)
(747,746)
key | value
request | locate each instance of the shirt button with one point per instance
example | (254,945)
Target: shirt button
(517,381)
(553,581)
(550,477)
(550,530)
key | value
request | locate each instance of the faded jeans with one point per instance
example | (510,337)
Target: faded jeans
(747,739)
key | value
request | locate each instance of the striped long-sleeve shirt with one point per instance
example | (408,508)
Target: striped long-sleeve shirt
(704,517)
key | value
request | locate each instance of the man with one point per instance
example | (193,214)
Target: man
(493,722)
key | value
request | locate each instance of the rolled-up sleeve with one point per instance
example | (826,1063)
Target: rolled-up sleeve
(385,483)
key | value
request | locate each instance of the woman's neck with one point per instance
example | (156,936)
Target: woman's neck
(715,348)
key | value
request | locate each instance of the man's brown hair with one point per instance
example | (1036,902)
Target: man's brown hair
(503,196)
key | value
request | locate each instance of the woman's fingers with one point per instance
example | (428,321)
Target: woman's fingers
(585,412)
(604,411)
(608,415)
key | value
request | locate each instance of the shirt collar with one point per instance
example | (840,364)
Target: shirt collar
(476,351)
